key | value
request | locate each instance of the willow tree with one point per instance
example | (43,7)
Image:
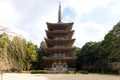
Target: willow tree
(4,54)
(18,53)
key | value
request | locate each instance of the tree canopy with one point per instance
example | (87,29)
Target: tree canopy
(16,54)
(102,56)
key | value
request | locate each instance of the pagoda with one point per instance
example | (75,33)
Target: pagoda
(59,46)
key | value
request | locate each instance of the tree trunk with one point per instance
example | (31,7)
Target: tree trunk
(1,75)
(119,71)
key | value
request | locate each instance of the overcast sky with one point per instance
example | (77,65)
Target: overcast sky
(92,18)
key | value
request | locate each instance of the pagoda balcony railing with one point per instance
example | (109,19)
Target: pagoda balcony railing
(63,31)
(59,46)
(59,39)
(59,57)
(54,48)
(68,69)
(59,30)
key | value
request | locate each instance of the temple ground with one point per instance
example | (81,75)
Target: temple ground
(26,76)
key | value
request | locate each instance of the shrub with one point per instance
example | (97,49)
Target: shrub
(69,72)
(39,71)
(83,72)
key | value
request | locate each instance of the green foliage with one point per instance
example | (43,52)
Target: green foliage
(83,72)
(39,71)
(4,54)
(14,55)
(31,51)
(41,53)
(87,56)
(77,50)
(50,72)
(110,48)
(4,40)
(69,72)
(101,56)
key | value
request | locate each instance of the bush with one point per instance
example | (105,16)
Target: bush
(69,72)
(39,71)
(83,72)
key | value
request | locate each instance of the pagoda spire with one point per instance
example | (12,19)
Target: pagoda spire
(59,13)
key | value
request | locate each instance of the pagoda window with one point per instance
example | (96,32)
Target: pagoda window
(59,63)
(63,46)
(65,65)
(54,66)
(55,55)
(62,38)
(64,55)
(55,47)
(56,38)
(59,54)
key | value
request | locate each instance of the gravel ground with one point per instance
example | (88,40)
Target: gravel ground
(25,76)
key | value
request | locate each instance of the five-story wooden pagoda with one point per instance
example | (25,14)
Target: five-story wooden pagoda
(59,46)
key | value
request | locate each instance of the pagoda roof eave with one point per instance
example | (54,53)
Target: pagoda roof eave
(59,48)
(48,31)
(70,23)
(52,33)
(60,42)
(52,50)
(54,40)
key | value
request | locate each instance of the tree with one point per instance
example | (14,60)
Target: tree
(41,53)
(87,56)
(16,53)
(4,58)
(109,49)
(77,50)
(31,54)
(4,43)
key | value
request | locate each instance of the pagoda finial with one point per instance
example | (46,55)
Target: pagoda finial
(59,13)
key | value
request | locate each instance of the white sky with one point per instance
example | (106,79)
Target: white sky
(92,18)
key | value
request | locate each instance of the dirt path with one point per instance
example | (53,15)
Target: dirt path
(23,76)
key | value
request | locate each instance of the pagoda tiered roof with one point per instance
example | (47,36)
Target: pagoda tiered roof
(52,34)
(59,32)
(57,50)
(59,26)
(67,43)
